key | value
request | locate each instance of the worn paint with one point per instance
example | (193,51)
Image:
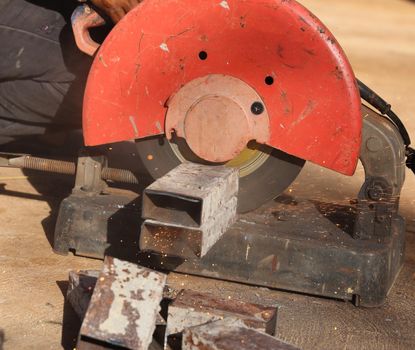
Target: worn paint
(158,126)
(125,305)
(164,47)
(300,53)
(134,125)
(101,59)
(225,5)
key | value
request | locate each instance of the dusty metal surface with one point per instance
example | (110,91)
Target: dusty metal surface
(281,246)
(229,335)
(303,246)
(111,221)
(192,308)
(193,203)
(124,305)
(312,253)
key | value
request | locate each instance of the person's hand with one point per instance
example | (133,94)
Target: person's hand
(116,9)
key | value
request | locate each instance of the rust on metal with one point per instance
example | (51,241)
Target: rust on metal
(124,306)
(80,289)
(64,167)
(189,209)
(229,335)
(192,308)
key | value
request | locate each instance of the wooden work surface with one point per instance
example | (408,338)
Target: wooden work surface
(379,37)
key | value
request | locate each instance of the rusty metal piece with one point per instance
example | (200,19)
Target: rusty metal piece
(193,204)
(124,306)
(80,289)
(64,167)
(215,116)
(192,308)
(119,175)
(229,335)
(42,164)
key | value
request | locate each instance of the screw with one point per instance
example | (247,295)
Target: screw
(257,108)
(376,192)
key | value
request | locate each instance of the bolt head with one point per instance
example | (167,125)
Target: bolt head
(257,108)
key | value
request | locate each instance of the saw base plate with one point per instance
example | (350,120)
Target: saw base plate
(289,244)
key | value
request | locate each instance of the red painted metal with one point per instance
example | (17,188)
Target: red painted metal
(276,46)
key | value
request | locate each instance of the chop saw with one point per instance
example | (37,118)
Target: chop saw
(261,86)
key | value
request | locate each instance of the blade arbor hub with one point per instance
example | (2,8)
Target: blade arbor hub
(217,115)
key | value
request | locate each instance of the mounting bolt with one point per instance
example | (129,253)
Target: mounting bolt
(257,108)
(375,192)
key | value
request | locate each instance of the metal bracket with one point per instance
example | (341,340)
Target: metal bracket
(383,158)
(88,174)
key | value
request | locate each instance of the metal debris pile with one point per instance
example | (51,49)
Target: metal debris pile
(127,306)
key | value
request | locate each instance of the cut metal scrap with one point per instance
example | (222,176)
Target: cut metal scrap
(191,308)
(80,289)
(124,306)
(189,209)
(229,335)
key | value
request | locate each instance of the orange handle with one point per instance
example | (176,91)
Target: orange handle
(84,18)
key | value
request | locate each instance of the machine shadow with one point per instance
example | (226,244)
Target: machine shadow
(123,232)
(343,216)
(123,238)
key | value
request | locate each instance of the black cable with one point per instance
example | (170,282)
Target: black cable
(371,97)
(410,158)
(383,107)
